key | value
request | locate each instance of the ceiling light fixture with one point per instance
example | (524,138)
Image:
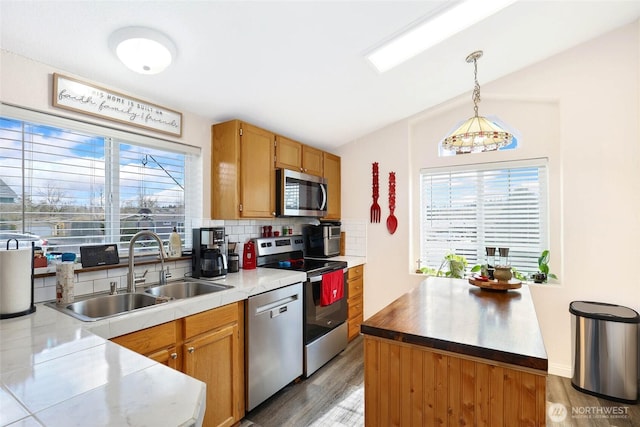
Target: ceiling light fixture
(433,31)
(476,134)
(143,50)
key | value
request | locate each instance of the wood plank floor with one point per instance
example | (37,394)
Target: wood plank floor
(333,396)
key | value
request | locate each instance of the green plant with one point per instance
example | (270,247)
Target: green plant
(457,265)
(517,275)
(543,268)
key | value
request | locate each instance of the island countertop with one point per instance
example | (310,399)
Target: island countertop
(455,316)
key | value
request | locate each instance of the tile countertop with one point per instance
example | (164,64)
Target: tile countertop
(352,261)
(59,371)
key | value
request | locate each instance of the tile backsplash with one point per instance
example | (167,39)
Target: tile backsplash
(90,282)
(356,237)
(240,231)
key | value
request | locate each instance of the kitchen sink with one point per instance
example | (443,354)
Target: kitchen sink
(185,289)
(104,306)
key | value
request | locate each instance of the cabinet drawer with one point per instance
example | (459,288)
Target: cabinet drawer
(149,340)
(355,272)
(355,307)
(211,319)
(354,328)
(355,287)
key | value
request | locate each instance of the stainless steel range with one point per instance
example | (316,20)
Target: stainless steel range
(324,295)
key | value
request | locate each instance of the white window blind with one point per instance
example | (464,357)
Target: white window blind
(465,209)
(75,187)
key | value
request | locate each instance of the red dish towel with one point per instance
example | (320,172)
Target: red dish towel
(332,288)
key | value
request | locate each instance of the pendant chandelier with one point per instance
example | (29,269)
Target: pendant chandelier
(476,134)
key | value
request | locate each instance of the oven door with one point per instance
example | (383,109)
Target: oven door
(318,319)
(300,194)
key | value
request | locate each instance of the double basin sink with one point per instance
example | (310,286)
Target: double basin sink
(103,306)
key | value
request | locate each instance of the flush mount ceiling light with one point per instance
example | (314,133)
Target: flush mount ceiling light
(433,31)
(143,50)
(476,134)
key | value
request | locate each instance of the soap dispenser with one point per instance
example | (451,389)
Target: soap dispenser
(175,244)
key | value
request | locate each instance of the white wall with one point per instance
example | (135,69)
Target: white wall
(580,109)
(27,83)
(387,254)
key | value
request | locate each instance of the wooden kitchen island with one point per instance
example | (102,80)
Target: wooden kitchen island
(449,353)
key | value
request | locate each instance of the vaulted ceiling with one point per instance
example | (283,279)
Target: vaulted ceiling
(298,67)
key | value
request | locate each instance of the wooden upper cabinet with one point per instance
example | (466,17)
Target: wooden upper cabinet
(296,156)
(243,163)
(288,153)
(257,174)
(333,176)
(312,161)
(242,171)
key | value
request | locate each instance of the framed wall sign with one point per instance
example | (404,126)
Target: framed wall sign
(74,95)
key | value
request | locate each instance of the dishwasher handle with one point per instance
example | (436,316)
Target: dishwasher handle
(276,308)
(278,311)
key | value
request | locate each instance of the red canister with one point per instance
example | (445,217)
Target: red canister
(249,256)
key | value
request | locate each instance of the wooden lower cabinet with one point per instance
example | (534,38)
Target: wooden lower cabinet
(355,279)
(208,346)
(166,356)
(214,353)
(411,385)
(157,343)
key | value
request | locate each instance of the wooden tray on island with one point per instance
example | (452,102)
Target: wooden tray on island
(496,285)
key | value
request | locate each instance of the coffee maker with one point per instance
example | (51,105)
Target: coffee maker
(209,258)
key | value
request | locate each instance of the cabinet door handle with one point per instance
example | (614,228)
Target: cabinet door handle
(191,349)
(174,356)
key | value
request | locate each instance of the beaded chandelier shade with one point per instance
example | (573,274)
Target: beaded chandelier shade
(476,134)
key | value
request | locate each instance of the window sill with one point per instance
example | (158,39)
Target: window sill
(143,260)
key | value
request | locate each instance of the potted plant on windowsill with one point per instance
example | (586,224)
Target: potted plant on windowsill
(457,267)
(543,269)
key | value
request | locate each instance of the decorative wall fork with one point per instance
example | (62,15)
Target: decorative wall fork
(375,212)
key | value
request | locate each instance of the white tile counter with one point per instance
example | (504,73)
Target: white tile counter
(56,370)
(352,261)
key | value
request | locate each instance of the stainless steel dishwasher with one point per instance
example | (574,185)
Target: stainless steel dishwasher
(274,342)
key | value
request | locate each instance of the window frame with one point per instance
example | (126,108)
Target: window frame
(545,238)
(192,154)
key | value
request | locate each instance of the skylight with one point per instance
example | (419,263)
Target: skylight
(433,31)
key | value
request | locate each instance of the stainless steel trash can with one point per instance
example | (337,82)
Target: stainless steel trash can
(605,350)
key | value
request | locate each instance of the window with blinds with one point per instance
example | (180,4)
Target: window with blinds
(465,209)
(74,188)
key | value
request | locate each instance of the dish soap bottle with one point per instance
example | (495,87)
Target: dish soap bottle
(175,244)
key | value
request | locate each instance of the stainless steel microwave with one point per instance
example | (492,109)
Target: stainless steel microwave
(300,194)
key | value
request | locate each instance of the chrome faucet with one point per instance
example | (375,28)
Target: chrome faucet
(131,279)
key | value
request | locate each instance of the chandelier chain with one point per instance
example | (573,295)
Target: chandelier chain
(476,88)
(476,134)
